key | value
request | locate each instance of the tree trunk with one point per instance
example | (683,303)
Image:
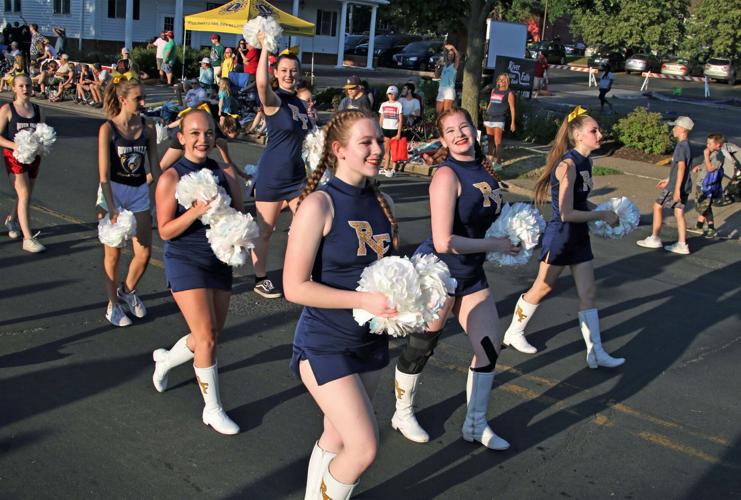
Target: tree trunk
(474,58)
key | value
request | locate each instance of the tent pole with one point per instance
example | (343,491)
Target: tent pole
(182,76)
(312,62)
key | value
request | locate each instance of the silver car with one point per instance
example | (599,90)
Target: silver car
(721,68)
(641,63)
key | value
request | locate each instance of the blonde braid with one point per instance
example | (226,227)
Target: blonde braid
(387,212)
(489,167)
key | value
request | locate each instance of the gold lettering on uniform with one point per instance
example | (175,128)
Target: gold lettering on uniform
(520,314)
(485,189)
(323,489)
(204,385)
(399,391)
(365,235)
(297,115)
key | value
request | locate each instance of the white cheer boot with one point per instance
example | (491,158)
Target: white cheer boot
(596,355)
(165,360)
(318,464)
(515,334)
(475,427)
(213,413)
(404,421)
(332,489)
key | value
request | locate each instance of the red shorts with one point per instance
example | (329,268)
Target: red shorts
(13,166)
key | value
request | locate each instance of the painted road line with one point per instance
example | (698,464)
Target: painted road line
(665,442)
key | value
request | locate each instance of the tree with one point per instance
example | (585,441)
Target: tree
(714,27)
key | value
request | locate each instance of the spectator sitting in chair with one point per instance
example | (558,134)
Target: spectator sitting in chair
(10,52)
(62,78)
(206,75)
(45,76)
(86,83)
(411,107)
(17,70)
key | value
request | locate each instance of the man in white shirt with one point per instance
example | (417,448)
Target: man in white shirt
(160,43)
(410,105)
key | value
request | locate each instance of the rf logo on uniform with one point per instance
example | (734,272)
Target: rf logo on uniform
(366,238)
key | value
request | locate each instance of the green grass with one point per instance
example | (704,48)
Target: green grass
(605,171)
(578,60)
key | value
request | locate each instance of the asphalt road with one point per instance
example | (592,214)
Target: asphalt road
(79,417)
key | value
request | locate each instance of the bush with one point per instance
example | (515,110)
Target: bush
(644,131)
(145,59)
(428,90)
(329,99)
(537,125)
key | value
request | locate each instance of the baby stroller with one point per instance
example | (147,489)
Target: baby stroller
(732,191)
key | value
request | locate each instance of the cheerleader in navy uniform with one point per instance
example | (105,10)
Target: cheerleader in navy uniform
(200,283)
(281,169)
(339,230)
(568,176)
(465,198)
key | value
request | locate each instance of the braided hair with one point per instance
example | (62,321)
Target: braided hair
(338,130)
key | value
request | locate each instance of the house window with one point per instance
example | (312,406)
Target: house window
(61,6)
(12,5)
(326,22)
(117,9)
(169,24)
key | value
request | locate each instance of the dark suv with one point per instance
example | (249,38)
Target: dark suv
(417,55)
(554,52)
(385,47)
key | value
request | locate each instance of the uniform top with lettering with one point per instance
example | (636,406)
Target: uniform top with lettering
(390,111)
(582,184)
(682,152)
(18,122)
(359,236)
(281,163)
(127,157)
(476,209)
(498,104)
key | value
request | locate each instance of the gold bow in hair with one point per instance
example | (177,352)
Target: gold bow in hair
(577,112)
(204,106)
(117,77)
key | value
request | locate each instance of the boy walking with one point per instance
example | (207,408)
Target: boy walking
(675,190)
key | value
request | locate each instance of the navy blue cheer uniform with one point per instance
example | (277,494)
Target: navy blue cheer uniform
(189,261)
(476,209)
(567,243)
(282,171)
(331,339)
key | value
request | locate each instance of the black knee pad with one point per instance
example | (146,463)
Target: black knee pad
(418,350)
(491,353)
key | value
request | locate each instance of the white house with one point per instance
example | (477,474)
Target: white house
(107,25)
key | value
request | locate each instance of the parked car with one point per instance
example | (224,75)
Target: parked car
(417,55)
(352,41)
(616,60)
(554,52)
(680,66)
(386,46)
(721,68)
(641,63)
(575,49)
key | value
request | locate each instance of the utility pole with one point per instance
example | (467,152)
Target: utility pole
(545,18)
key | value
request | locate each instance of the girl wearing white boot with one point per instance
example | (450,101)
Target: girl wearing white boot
(200,283)
(338,230)
(568,175)
(465,198)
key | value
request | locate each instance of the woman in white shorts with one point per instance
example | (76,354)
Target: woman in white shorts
(501,100)
(446,90)
(125,141)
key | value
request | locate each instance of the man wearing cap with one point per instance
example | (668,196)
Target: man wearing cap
(356,97)
(159,43)
(675,190)
(206,75)
(63,77)
(11,52)
(168,57)
(217,55)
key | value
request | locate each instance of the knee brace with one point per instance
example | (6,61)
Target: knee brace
(418,350)
(491,353)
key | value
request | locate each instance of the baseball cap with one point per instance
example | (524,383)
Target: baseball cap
(392,90)
(124,50)
(683,121)
(352,82)
(205,60)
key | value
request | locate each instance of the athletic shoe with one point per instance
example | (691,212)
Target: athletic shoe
(382,171)
(389,173)
(267,290)
(710,233)
(116,315)
(33,245)
(678,247)
(14,232)
(695,230)
(133,303)
(650,242)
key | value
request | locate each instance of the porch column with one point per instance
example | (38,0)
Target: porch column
(372,37)
(341,35)
(129,26)
(178,28)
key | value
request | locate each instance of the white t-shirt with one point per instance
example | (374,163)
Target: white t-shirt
(160,44)
(104,76)
(390,111)
(410,107)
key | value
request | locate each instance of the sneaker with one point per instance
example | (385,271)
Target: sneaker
(116,315)
(389,173)
(133,303)
(14,232)
(267,290)
(678,247)
(382,171)
(710,233)
(33,245)
(695,230)
(650,242)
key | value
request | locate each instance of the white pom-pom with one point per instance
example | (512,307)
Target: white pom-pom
(312,148)
(162,135)
(268,26)
(47,136)
(231,236)
(27,146)
(397,279)
(115,235)
(219,206)
(628,218)
(523,225)
(435,283)
(201,185)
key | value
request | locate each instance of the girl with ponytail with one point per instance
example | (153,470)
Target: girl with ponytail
(568,177)
(465,198)
(339,229)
